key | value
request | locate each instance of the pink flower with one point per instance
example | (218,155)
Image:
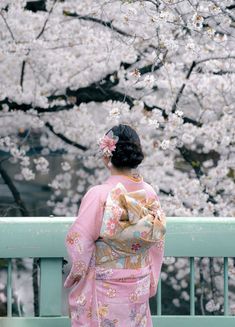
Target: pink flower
(111,226)
(72,238)
(117,212)
(108,143)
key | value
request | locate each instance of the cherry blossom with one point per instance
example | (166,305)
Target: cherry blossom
(70,72)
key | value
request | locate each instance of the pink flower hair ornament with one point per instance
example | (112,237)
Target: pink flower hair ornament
(107,143)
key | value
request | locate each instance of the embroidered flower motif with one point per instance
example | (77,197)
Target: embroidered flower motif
(135,247)
(89,312)
(81,299)
(133,297)
(143,287)
(103,310)
(111,292)
(109,323)
(72,237)
(111,225)
(138,318)
(80,268)
(132,314)
(120,235)
(143,322)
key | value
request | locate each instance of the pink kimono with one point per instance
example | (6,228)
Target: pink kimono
(116,246)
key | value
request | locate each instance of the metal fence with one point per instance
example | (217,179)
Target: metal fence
(44,238)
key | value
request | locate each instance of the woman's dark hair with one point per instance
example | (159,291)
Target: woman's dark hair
(128,152)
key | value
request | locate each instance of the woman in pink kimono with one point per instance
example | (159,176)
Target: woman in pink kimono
(116,243)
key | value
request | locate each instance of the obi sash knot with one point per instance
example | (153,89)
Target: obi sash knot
(132,222)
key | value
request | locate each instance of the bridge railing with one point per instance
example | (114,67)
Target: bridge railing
(44,238)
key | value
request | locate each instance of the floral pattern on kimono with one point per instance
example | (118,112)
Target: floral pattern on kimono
(132,224)
(116,249)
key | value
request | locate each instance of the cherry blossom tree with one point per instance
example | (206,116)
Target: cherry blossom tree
(70,70)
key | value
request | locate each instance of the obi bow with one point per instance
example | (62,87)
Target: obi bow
(132,216)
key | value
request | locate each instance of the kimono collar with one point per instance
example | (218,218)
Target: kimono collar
(130,179)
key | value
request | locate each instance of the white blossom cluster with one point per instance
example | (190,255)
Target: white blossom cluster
(209,292)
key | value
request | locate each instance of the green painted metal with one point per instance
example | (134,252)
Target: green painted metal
(186,237)
(226,286)
(50,293)
(9,288)
(33,237)
(159,297)
(193,321)
(35,322)
(158,321)
(192,287)
(45,237)
(200,237)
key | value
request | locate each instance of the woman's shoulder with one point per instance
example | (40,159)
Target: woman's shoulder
(99,190)
(150,190)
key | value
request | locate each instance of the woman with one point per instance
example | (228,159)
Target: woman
(116,243)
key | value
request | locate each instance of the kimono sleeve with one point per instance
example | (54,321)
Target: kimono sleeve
(156,255)
(81,236)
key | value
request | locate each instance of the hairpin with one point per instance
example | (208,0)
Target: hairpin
(107,143)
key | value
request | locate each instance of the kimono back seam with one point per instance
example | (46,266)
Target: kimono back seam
(116,247)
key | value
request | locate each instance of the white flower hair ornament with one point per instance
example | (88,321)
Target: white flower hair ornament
(107,143)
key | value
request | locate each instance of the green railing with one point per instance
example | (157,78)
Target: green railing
(44,238)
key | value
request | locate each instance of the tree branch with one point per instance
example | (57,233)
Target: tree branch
(196,165)
(191,68)
(65,139)
(94,92)
(46,21)
(22,74)
(98,21)
(174,107)
(15,193)
(8,27)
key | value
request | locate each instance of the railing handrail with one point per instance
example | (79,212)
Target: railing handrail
(44,237)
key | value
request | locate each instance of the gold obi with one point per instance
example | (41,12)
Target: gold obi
(132,223)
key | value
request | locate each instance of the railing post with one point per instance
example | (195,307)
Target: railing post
(192,287)
(9,287)
(225,286)
(159,297)
(50,293)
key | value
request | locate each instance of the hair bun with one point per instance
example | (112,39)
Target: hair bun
(128,152)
